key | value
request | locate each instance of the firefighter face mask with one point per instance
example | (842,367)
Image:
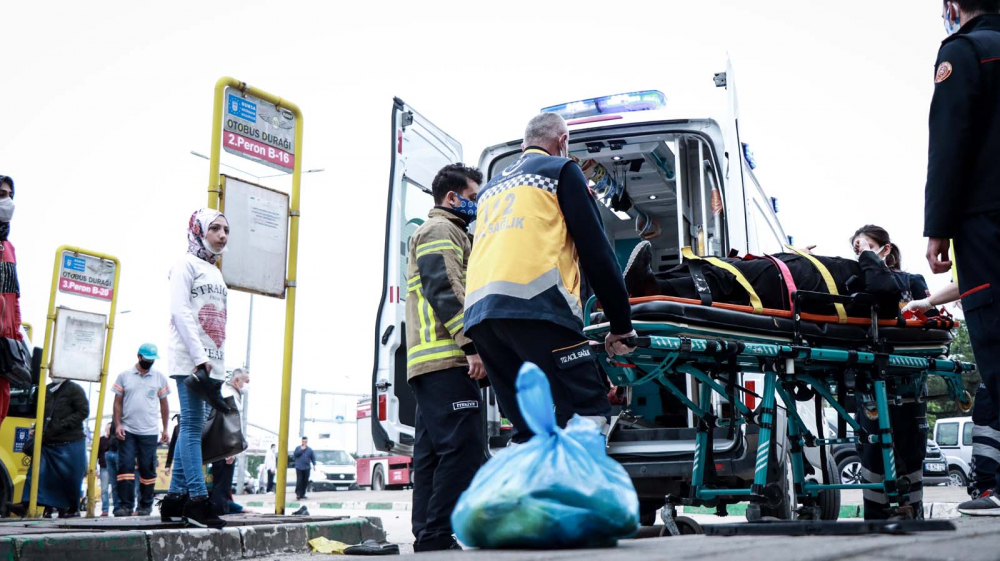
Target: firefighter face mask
(465,207)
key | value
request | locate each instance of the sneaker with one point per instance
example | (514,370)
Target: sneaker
(207,388)
(172,507)
(144,511)
(988,504)
(198,513)
(120,512)
(639,269)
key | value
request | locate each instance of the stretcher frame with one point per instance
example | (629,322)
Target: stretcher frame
(788,369)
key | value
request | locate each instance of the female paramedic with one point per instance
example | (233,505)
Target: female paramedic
(197,362)
(908,420)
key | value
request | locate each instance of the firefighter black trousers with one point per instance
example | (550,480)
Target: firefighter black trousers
(979,280)
(563,354)
(448,451)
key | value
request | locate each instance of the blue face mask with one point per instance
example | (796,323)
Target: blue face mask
(466,207)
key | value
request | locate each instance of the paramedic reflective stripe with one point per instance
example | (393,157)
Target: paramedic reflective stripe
(984,442)
(432,351)
(755,302)
(438,246)
(527,291)
(455,324)
(831,286)
(916,479)
(413,284)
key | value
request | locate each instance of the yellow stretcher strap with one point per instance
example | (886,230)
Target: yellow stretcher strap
(831,286)
(755,302)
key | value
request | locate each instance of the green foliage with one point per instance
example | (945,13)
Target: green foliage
(961,349)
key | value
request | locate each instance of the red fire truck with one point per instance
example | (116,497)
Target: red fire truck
(378,470)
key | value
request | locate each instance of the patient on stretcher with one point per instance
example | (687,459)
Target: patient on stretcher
(725,280)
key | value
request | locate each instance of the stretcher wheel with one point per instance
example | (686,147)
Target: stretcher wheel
(686,526)
(965,403)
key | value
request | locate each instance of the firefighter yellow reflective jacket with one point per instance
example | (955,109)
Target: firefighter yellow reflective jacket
(435,295)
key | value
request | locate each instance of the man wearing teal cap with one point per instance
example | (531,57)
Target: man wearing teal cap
(140,392)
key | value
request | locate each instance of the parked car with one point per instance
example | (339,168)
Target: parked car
(848,461)
(954,436)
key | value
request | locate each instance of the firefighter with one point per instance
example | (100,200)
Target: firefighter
(537,230)
(962,203)
(442,366)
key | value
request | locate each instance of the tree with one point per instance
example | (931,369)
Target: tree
(961,349)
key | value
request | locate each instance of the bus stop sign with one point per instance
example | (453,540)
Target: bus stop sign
(85,275)
(257,130)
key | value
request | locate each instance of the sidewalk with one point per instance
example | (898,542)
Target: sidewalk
(147,539)
(939,502)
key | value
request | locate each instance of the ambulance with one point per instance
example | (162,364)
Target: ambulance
(658,173)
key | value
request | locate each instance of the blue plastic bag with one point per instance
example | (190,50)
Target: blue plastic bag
(558,490)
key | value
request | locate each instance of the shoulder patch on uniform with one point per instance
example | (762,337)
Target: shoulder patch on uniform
(943,72)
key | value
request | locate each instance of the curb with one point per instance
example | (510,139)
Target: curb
(335,505)
(238,542)
(931,510)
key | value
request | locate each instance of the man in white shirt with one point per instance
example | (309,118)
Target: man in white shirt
(140,396)
(271,466)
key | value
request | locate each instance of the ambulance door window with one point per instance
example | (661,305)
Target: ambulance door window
(417,202)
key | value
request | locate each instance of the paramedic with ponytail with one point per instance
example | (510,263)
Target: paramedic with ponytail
(962,198)
(537,230)
(908,420)
(197,362)
(10,290)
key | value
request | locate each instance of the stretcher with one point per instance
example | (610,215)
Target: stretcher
(801,357)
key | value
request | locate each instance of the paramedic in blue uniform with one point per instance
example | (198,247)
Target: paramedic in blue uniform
(962,203)
(442,365)
(537,230)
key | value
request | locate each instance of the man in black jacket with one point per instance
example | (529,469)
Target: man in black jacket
(962,203)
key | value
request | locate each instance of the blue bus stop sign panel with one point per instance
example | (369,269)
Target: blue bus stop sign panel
(77,264)
(242,108)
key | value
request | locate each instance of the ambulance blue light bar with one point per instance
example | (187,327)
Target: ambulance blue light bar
(618,103)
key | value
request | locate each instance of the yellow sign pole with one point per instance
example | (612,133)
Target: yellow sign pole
(31,332)
(50,319)
(215,193)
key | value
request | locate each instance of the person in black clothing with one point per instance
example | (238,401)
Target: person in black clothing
(63,460)
(962,203)
(305,460)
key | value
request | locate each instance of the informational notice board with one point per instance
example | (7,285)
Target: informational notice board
(258,238)
(78,352)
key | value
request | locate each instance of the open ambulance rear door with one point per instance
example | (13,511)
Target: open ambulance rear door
(736,192)
(419,150)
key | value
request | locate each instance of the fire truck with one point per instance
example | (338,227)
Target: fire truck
(378,470)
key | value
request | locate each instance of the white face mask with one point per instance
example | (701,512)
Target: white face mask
(951,26)
(6,209)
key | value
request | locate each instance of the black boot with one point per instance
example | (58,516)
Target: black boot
(639,270)
(199,513)
(172,507)
(206,388)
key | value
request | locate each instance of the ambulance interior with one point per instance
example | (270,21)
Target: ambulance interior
(664,188)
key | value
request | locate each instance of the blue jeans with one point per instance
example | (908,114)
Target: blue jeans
(187,476)
(141,450)
(109,477)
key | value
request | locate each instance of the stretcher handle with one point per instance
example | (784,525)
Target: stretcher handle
(638,341)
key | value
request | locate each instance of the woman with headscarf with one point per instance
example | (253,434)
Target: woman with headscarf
(10,308)
(197,357)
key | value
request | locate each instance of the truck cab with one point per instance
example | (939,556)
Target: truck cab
(658,174)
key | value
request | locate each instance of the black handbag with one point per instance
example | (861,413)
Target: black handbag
(222,436)
(15,362)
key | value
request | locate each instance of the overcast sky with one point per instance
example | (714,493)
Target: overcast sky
(103,101)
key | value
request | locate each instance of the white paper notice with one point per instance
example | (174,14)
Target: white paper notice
(79,345)
(266,225)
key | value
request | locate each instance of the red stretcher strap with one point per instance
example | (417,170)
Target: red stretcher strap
(786,275)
